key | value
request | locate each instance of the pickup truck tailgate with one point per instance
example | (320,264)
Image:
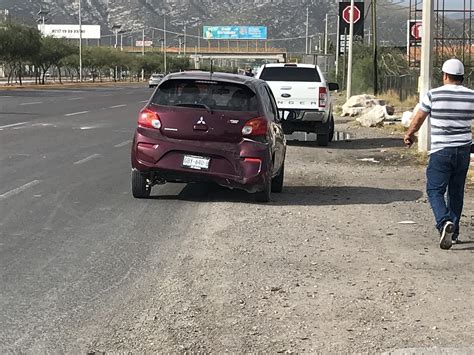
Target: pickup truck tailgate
(296,87)
(296,95)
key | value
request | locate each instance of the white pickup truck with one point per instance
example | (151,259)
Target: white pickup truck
(303,93)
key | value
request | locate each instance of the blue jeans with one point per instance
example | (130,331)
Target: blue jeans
(447,170)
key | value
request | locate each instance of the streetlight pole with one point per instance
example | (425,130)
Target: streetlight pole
(164,43)
(80,42)
(307,28)
(426,69)
(143,51)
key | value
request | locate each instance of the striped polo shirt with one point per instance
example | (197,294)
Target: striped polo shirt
(451,108)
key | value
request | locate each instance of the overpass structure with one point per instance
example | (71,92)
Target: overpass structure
(219,54)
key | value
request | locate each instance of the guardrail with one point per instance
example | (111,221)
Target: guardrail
(204,50)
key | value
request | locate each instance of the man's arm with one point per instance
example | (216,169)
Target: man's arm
(415,125)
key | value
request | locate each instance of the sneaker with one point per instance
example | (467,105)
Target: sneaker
(457,241)
(446,240)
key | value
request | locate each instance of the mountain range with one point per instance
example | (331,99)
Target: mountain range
(285,19)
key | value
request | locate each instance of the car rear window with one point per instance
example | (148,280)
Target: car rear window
(290,74)
(219,96)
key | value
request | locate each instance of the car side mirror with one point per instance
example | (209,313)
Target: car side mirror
(333,86)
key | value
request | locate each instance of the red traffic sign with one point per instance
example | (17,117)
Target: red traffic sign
(346,14)
(415,30)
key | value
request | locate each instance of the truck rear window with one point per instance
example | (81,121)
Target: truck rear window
(290,74)
(213,94)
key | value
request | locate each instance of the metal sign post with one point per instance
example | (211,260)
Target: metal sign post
(349,61)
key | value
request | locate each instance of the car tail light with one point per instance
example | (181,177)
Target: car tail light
(253,160)
(323,97)
(149,119)
(255,127)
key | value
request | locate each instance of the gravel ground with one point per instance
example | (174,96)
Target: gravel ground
(325,267)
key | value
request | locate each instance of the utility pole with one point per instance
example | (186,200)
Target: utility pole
(426,70)
(80,42)
(326,36)
(184,40)
(307,28)
(374,46)
(349,60)
(338,47)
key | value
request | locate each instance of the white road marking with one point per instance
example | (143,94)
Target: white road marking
(13,125)
(123,144)
(31,103)
(19,189)
(141,102)
(75,98)
(6,96)
(117,106)
(90,157)
(76,113)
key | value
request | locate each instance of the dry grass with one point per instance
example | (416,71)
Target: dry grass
(470,178)
(392,99)
(395,128)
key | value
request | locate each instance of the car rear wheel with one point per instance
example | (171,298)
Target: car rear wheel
(322,139)
(140,187)
(277,181)
(331,129)
(264,195)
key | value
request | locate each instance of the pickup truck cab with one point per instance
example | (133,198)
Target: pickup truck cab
(302,93)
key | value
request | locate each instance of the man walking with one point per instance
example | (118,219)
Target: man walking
(451,108)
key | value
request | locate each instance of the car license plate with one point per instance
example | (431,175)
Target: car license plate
(195,162)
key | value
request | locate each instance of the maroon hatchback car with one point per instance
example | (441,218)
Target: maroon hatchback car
(210,127)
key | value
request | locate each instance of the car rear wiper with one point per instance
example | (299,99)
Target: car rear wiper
(197,105)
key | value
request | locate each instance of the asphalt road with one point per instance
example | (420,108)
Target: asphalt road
(69,230)
(344,261)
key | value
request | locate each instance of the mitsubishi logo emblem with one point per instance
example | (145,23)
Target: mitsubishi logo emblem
(201,121)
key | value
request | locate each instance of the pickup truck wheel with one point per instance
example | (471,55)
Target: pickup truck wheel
(140,187)
(277,181)
(322,139)
(264,195)
(331,129)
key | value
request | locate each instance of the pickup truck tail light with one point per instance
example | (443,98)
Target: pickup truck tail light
(323,97)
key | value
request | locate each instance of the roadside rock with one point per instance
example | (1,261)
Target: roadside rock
(358,104)
(374,117)
(407,116)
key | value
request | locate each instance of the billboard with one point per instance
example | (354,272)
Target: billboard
(70,31)
(235,32)
(141,44)
(344,23)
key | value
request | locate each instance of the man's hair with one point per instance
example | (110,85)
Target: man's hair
(455,78)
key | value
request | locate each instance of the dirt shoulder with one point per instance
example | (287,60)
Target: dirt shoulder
(325,267)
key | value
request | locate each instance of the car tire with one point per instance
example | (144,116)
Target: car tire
(322,140)
(277,181)
(140,187)
(264,195)
(332,129)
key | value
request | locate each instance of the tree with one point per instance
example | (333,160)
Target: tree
(52,51)
(19,45)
